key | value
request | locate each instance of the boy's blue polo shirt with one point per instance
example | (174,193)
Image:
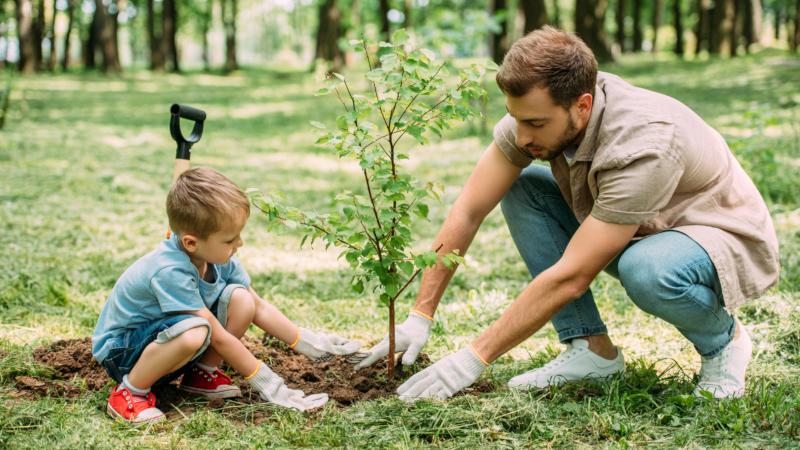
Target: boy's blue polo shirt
(159,284)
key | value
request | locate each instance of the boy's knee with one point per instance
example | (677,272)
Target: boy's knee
(193,338)
(242,302)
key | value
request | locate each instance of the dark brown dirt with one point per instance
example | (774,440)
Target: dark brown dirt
(336,378)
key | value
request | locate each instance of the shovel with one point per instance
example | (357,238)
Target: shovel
(184,152)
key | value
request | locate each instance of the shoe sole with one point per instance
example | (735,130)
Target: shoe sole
(229,393)
(115,415)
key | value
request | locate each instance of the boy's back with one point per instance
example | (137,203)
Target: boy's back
(161,283)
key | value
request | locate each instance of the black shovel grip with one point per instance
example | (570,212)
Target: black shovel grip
(185,144)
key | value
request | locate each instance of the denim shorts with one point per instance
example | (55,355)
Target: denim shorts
(128,347)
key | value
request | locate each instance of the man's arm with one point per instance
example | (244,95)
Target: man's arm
(591,249)
(489,182)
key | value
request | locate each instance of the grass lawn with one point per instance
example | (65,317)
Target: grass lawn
(86,161)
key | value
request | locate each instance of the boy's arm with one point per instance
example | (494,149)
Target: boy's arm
(230,348)
(273,321)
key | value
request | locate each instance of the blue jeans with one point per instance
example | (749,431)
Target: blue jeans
(128,347)
(667,275)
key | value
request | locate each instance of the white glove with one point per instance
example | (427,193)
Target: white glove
(443,379)
(270,387)
(322,347)
(410,337)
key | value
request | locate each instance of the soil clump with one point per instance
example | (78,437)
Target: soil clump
(73,358)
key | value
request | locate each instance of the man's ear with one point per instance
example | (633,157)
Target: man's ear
(189,242)
(584,104)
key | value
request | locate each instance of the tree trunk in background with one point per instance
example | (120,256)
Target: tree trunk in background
(52,35)
(721,27)
(677,17)
(38,34)
(590,16)
(407,8)
(328,34)
(535,14)
(229,21)
(156,60)
(778,13)
(637,25)
(498,43)
(738,26)
(620,16)
(701,28)
(113,21)
(556,16)
(27,53)
(205,28)
(383,10)
(657,7)
(797,27)
(752,23)
(71,14)
(105,38)
(90,46)
(169,27)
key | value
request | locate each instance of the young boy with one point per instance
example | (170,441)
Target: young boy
(182,308)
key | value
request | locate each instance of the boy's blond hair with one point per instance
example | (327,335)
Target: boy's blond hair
(202,201)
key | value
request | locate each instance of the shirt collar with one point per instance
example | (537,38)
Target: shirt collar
(588,145)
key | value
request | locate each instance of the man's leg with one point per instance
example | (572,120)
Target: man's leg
(671,277)
(541,224)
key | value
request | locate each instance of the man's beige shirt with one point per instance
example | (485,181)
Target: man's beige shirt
(648,159)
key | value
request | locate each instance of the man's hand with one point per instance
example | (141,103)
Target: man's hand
(443,379)
(410,337)
(322,347)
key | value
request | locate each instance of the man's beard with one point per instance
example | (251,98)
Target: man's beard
(566,139)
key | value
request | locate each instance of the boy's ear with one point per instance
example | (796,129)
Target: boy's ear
(189,242)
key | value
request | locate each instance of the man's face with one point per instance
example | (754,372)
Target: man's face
(544,128)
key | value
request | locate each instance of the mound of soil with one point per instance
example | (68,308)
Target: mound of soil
(73,358)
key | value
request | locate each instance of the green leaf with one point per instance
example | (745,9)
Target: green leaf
(354,41)
(376,75)
(349,211)
(339,76)
(462,112)
(420,193)
(385,44)
(322,140)
(359,287)
(366,164)
(430,257)
(491,65)
(391,290)
(415,130)
(387,215)
(290,223)
(389,63)
(410,65)
(428,54)
(318,125)
(341,122)
(407,267)
(423,208)
(323,91)
(419,261)
(385,300)
(400,37)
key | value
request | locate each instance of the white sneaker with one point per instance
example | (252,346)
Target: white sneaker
(723,375)
(573,364)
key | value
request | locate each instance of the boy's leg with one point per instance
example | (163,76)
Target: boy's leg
(239,308)
(159,360)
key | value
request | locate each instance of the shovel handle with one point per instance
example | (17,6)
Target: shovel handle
(181,165)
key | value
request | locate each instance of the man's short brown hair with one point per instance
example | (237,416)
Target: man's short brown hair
(549,58)
(202,201)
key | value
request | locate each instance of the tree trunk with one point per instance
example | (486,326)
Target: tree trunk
(797,27)
(752,22)
(113,20)
(637,25)
(737,28)
(105,37)
(71,13)
(620,16)
(657,7)
(676,12)
(27,52)
(498,43)
(156,59)
(721,27)
(778,13)
(407,8)
(590,18)
(229,22)
(535,14)
(701,27)
(51,64)
(169,25)
(39,34)
(556,20)
(328,34)
(205,28)
(384,12)
(90,46)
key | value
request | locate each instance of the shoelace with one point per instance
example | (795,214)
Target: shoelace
(561,358)
(712,368)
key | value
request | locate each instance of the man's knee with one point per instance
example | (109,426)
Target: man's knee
(650,282)
(531,182)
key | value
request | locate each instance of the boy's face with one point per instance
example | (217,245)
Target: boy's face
(219,246)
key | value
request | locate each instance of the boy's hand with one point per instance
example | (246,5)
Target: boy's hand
(322,347)
(270,387)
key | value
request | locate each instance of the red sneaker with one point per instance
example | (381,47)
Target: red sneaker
(209,385)
(134,409)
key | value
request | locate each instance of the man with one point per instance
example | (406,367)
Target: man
(639,186)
